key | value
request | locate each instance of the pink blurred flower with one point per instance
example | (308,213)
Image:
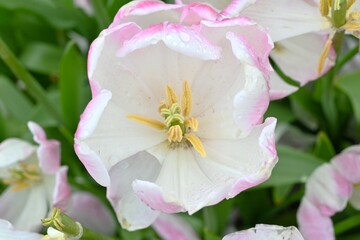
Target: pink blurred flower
(197,148)
(268,232)
(36,180)
(327,192)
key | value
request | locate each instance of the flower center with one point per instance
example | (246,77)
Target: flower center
(178,123)
(23,176)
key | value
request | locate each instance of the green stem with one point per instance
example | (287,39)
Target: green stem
(33,87)
(100,13)
(347,224)
(349,55)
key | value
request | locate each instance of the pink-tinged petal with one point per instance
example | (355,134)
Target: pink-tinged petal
(278,88)
(88,122)
(189,181)
(7,231)
(235,7)
(328,190)
(287,18)
(218,4)
(197,12)
(298,57)
(355,198)
(132,213)
(348,164)
(170,227)
(268,232)
(24,208)
(312,224)
(48,151)
(14,150)
(249,43)
(179,38)
(152,195)
(101,57)
(91,213)
(146,13)
(61,189)
(251,103)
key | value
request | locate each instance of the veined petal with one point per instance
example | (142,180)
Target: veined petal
(132,213)
(7,231)
(287,18)
(347,164)
(91,213)
(24,208)
(14,150)
(328,190)
(298,57)
(48,151)
(188,181)
(171,226)
(268,232)
(312,224)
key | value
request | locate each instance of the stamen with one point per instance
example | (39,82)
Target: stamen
(147,121)
(192,123)
(324,7)
(23,176)
(356,185)
(196,143)
(175,134)
(171,95)
(324,54)
(186,103)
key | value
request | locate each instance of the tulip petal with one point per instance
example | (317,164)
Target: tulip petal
(14,150)
(171,226)
(268,232)
(7,231)
(132,213)
(312,224)
(348,164)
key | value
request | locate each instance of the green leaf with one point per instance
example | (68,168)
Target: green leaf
(42,58)
(280,193)
(281,111)
(323,147)
(72,76)
(209,235)
(294,166)
(14,100)
(349,83)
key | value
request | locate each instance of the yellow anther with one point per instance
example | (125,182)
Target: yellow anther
(175,134)
(324,54)
(349,3)
(192,124)
(162,106)
(147,121)
(354,16)
(170,95)
(196,143)
(186,101)
(324,7)
(23,176)
(351,26)
(356,185)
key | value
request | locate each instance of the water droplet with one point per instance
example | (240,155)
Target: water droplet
(185,37)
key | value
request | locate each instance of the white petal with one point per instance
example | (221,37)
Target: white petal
(188,181)
(7,231)
(132,213)
(13,150)
(328,190)
(24,208)
(279,88)
(298,57)
(287,18)
(268,232)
